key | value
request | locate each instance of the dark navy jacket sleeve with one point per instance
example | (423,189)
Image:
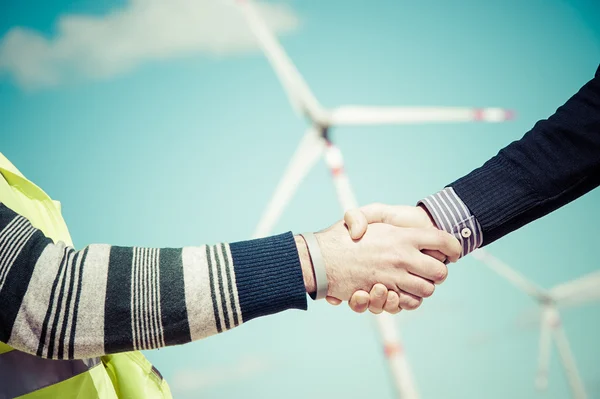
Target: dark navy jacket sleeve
(553,164)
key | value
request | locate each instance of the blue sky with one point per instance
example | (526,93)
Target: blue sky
(186,148)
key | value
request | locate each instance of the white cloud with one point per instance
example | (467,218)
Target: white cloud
(198,380)
(144,30)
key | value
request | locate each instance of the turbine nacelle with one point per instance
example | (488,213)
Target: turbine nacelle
(545,299)
(316,116)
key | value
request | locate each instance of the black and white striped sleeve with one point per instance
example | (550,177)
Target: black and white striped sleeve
(451,215)
(60,303)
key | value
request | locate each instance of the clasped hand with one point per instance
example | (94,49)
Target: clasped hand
(385,258)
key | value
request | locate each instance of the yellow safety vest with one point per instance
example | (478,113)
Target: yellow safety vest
(123,375)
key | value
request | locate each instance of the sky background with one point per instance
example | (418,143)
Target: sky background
(161,124)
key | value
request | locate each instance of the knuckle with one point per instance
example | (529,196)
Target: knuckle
(402,259)
(427,290)
(412,303)
(391,305)
(440,274)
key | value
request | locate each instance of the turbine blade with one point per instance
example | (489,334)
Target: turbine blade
(505,271)
(541,381)
(359,115)
(568,361)
(581,299)
(582,287)
(305,157)
(297,90)
(397,362)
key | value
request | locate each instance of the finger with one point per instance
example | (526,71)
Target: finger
(415,285)
(333,300)
(357,223)
(378,295)
(392,304)
(435,254)
(409,301)
(429,268)
(439,240)
(359,301)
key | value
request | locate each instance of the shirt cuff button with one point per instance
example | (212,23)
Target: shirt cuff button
(466,232)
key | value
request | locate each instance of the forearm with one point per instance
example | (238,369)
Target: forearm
(62,303)
(553,164)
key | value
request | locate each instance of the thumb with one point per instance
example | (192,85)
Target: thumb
(378,213)
(356,222)
(396,215)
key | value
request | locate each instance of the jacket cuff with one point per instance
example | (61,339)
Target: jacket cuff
(268,275)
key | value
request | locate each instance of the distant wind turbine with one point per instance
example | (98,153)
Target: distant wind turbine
(316,142)
(576,292)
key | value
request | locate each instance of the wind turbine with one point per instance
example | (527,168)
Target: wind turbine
(316,142)
(576,292)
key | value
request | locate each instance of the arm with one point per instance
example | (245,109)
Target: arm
(61,303)
(556,162)
(553,164)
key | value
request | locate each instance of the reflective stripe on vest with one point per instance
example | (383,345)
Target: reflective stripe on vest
(22,373)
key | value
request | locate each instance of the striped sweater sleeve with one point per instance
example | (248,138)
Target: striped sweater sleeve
(59,303)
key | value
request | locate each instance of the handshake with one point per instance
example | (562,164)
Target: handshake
(390,267)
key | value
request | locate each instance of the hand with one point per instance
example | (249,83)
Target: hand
(386,254)
(357,221)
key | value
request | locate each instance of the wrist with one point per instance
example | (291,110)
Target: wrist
(305,265)
(424,209)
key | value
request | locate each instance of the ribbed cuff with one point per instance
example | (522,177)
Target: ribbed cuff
(452,215)
(268,275)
